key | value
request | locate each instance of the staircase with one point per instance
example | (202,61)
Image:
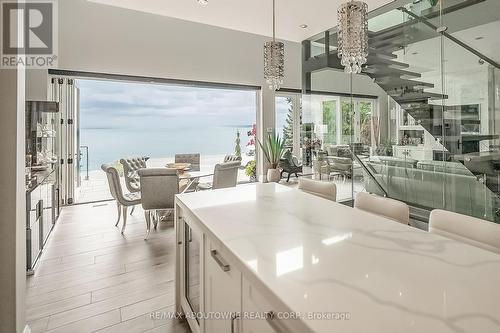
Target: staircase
(406,86)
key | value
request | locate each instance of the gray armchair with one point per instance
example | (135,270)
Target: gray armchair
(123,200)
(193,159)
(225,175)
(130,168)
(340,166)
(158,189)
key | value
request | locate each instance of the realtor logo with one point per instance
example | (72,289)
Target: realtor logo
(29,33)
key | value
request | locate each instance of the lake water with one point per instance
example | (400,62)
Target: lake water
(107,145)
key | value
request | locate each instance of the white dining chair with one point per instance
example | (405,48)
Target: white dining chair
(325,190)
(392,209)
(466,229)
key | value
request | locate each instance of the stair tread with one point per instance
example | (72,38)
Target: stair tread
(388,71)
(399,82)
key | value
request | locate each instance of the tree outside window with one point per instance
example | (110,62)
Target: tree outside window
(365,115)
(347,121)
(330,120)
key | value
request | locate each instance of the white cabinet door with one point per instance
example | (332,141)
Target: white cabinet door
(190,242)
(259,315)
(222,292)
(252,304)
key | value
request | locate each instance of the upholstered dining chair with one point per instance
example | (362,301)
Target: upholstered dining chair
(325,190)
(123,200)
(193,159)
(130,167)
(390,208)
(225,175)
(466,229)
(158,189)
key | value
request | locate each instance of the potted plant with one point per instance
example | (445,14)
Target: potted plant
(273,148)
(237,148)
(251,171)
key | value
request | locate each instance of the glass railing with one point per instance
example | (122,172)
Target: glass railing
(434,142)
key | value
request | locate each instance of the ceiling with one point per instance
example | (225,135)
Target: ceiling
(253,16)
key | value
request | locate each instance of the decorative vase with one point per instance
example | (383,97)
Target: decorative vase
(273,175)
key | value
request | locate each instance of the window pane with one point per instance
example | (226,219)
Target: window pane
(347,121)
(330,122)
(284,119)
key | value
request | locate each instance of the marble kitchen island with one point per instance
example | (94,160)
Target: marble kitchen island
(267,258)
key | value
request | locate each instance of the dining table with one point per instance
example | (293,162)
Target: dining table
(189,177)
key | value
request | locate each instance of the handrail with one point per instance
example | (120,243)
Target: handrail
(356,157)
(87,160)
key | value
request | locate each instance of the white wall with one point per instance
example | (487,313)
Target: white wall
(12,202)
(100,38)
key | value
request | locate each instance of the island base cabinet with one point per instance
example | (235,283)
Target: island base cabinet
(222,292)
(253,311)
(259,315)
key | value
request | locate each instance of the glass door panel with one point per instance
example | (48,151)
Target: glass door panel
(348,121)
(192,247)
(366,130)
(330,121)
(285,119)
(288,120)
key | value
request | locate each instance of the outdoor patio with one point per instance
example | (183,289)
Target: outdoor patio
(96,188)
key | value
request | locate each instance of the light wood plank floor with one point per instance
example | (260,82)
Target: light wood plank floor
(93,279)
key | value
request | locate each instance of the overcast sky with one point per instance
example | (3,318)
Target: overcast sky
(106,104)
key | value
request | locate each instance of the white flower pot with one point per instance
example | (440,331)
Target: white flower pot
(273,175)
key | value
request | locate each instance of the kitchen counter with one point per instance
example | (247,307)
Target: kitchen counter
(315,256)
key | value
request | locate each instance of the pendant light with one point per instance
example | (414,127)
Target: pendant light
(353,35)
(274,59)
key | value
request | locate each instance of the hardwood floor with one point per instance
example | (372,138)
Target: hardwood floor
(93,279)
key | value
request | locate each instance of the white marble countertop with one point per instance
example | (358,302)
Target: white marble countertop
(320,256)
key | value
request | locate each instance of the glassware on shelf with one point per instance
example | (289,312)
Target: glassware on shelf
(27,170)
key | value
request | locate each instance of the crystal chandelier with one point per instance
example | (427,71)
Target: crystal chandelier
(274,59)
(353,35)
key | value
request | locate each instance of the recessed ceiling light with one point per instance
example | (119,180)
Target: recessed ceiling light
(203,2)
(303,26)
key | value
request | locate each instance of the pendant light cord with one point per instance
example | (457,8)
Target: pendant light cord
(274,20)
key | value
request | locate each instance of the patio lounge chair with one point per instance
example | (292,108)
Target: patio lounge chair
(232,158)
(290,165)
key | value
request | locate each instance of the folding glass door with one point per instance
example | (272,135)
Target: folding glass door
(288,120)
